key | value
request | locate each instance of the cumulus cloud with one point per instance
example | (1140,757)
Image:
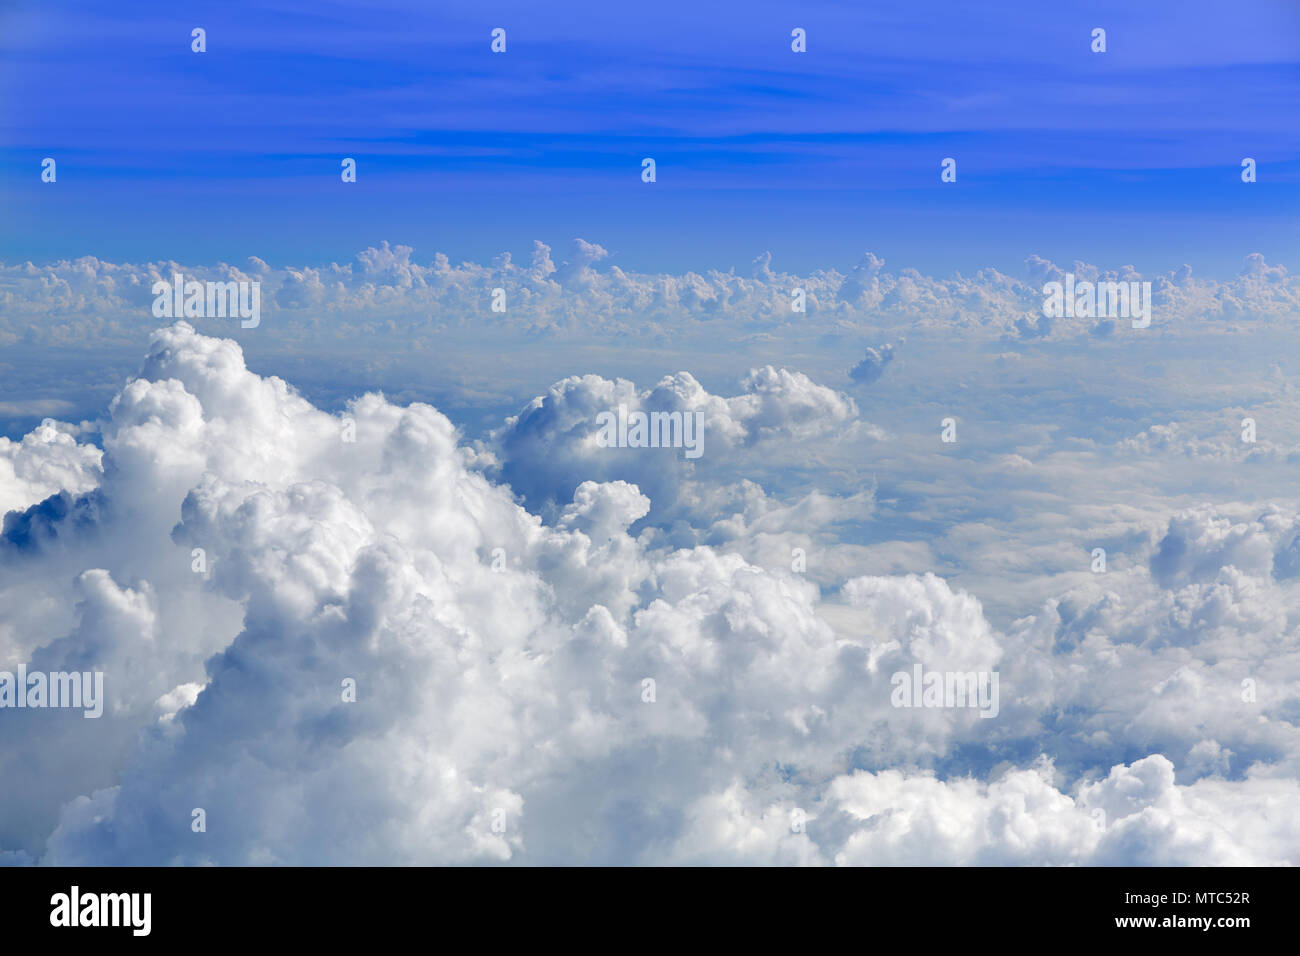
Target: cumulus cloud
(553,444)
(358,637)
(1136,813)
(46,461)
(872,365)
(389,292)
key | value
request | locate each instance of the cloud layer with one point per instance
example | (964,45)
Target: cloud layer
(563,653)
(387,292)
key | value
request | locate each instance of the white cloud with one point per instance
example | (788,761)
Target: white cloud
(500,656)
(47,460)
(88,299)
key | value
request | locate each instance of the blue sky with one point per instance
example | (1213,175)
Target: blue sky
(1128,156)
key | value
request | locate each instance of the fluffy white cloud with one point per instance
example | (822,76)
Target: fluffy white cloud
(1137,813)
(47,460)
(66,302)
(552,688)
(553,443)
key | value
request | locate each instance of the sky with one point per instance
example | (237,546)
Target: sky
(1061,151)
(368,581)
